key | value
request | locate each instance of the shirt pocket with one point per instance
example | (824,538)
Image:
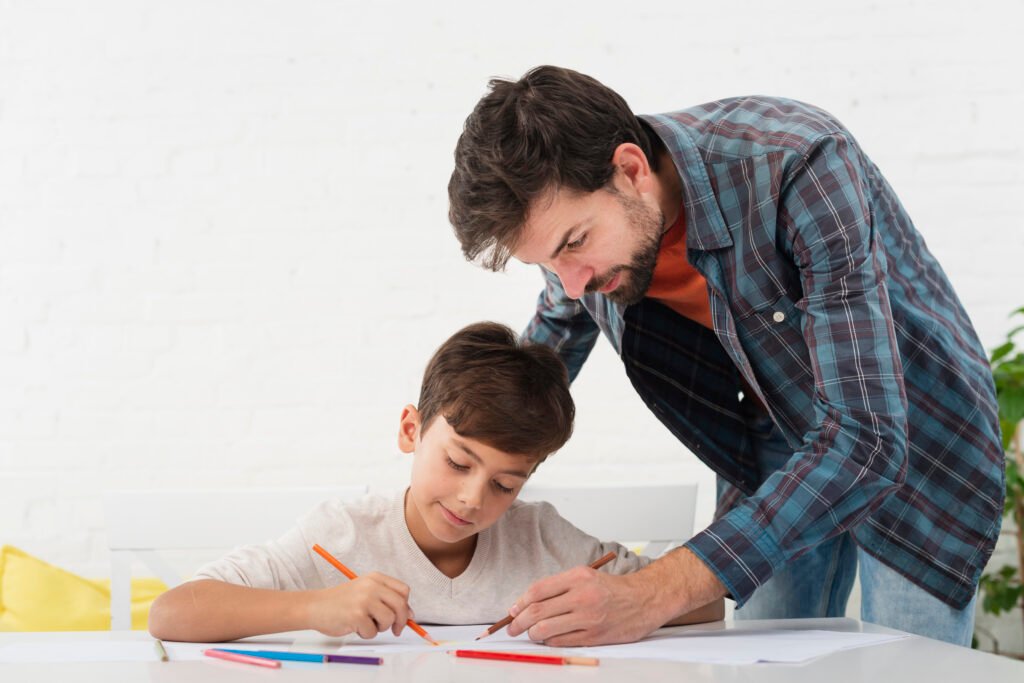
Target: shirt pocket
(773,338)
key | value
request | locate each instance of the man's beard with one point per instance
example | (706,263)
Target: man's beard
(649,224)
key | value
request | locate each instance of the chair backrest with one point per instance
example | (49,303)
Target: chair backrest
(660,514)
(140,524)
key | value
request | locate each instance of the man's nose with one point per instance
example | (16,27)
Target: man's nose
(575,278)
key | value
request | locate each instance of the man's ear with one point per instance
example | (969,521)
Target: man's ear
(631,162)
(408,429)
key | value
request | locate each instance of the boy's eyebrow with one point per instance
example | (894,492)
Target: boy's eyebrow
(470,453)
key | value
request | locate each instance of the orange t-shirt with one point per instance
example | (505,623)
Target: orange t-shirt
(675,282)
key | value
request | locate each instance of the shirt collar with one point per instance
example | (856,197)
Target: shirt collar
(706,229)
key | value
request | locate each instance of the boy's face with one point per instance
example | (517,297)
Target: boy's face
(460,486)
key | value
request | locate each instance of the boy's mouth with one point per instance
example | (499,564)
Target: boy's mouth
(453,518)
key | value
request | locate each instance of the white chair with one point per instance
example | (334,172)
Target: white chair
(140,524)
(660,514)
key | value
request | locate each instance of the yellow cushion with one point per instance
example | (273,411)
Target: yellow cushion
(37,596)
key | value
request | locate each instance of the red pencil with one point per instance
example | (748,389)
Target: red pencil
(351,575)
(531,659)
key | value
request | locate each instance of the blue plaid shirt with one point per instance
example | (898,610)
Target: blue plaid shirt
(827,303)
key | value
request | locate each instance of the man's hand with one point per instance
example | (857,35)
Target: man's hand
(587,607)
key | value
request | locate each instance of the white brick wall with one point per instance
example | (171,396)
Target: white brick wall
(224,253)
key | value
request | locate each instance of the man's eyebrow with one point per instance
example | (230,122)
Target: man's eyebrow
(565,240)
(464,447)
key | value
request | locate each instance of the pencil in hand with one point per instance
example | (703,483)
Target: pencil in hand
(596,564)
(349,574)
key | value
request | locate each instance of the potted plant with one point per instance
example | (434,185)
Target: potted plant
(1003,588)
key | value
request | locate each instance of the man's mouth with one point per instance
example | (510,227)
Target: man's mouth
(612,284)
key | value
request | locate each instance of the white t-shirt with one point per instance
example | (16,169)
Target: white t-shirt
(530,541)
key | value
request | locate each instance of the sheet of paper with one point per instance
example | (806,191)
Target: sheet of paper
(449,637)
(734,646)
(741,646)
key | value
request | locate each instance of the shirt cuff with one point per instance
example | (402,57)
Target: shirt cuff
(740,552)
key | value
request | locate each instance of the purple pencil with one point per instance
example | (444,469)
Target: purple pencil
(353,659)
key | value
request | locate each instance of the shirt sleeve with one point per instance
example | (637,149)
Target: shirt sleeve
(563,324)
(856,454)
(287,563)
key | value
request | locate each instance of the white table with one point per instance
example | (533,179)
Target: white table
(910,660)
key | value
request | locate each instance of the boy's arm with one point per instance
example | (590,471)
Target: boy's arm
(212,611)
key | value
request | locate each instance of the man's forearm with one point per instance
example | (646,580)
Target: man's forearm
(213,611)
(678,584)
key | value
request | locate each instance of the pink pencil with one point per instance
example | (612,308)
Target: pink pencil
(243,659)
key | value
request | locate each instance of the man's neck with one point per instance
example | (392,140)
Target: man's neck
(668,189)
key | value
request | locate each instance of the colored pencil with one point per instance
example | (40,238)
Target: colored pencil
(308,657)
(353,659)
(351,575)
(528,658)
(160,650)
(596,564)
(243,659)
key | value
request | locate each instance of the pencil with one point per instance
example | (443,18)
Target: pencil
(351,575)
(307,657)
(243,659)
(160,650)
(596,564)
(531,659)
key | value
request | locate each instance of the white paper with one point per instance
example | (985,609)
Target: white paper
(449,637)
(732,646)
(741,646)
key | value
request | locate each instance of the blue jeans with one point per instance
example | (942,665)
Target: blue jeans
(818,583)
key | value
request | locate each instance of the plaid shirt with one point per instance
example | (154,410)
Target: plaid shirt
(827,302)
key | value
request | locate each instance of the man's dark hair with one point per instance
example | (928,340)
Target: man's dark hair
(511,395)
(552,129)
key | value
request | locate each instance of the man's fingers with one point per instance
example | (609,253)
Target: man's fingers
(537,612)
(542,590)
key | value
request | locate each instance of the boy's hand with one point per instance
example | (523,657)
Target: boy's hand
(367,605)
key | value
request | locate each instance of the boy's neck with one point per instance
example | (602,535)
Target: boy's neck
(451,559)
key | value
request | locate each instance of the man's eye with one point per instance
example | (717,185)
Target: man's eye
(577,243)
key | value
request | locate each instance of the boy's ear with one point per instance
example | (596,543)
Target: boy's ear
(408,429)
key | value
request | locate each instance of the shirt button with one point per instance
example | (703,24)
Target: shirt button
(778,316)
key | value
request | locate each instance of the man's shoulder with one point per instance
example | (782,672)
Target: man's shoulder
(747,126)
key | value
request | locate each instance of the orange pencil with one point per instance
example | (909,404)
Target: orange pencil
(351,575)
(596,564)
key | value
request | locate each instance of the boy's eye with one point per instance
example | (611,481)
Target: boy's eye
(503,489)
(456,466)
(578,242)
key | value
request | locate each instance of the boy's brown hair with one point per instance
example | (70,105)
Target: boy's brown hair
(511,395)
(552,129)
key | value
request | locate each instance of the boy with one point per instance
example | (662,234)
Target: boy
(491,410)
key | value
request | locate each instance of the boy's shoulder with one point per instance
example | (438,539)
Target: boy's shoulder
(369,508)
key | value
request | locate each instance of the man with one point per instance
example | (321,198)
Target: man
(776,309)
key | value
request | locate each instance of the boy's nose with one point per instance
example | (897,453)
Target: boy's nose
(471,495)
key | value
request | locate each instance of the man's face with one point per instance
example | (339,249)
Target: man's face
(605,241)
(459,486)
